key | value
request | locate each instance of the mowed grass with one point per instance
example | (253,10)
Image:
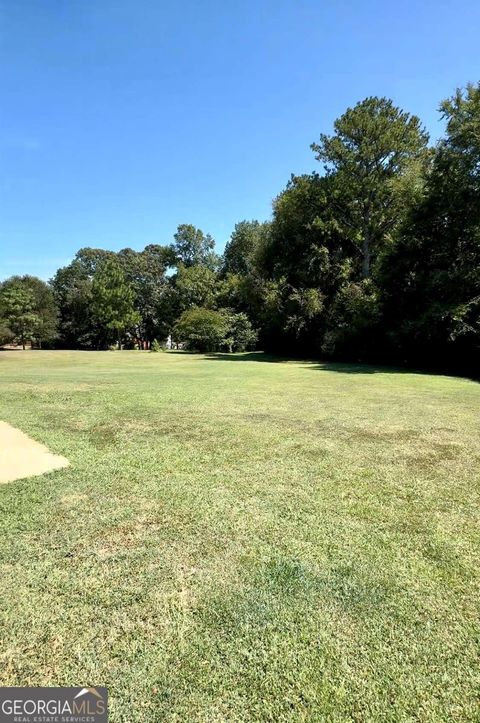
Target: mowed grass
(244,539)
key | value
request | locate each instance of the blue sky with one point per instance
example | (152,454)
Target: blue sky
(121,119)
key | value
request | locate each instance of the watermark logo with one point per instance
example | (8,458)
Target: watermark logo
(53,705)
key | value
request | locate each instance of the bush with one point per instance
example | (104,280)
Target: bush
(202,329)
(241,336)
(155,346)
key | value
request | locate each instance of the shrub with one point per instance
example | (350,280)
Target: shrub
(155,346)
(202,329)
(241,336)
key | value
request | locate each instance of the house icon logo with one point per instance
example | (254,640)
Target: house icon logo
(62,705)
(93,691)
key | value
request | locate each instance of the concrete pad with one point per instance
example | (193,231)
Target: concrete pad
(21,456)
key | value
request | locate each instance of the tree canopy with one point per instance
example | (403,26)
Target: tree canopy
(373,145)
(375,256)
(27,311)
(113,300)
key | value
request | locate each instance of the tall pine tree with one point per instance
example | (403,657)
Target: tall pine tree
(113,301)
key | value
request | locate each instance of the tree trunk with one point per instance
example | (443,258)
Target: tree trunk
(366,255)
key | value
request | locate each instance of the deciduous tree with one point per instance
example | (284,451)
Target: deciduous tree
(193,247)
(17,310)
(431,278)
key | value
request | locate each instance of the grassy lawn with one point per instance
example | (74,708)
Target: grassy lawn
(240,539)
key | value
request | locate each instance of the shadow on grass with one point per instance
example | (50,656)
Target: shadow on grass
(358,368)
(331,366)
(344,368)
(251,356)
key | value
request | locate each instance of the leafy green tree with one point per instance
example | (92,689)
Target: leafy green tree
(195,286)
(72,289)
(240,334)
(351,329)
(241,249)
(374,145)
(192,247)
(327,231)
(17,310)
(378,258)
(146,272)
(113,300)
(191,286)
(28,310)
(243,280)
(91,259)
(305,244)
(44,307)
(304,263)
(6,334)
(431,278)
(202,329)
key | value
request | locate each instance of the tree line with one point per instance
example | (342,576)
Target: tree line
(374,257)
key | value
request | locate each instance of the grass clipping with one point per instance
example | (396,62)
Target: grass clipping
(22,457)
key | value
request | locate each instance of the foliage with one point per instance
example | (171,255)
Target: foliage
(6,334)
(240,334)
(202,329)
(375,258)
(145,271)
(192,247)
(431,277)
(72,289)
(374,144)
(45,308)
(113,300)
(16,307)
(307,260)
(155,346)
(352,321)
(27,310)
(243,246)
(195,286)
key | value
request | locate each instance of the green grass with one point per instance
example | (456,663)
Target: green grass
(240,539)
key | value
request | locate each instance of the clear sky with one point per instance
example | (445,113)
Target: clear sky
(120,119)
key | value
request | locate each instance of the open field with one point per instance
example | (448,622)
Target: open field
(239,539)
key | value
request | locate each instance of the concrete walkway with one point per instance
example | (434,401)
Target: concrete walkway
(21,456)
